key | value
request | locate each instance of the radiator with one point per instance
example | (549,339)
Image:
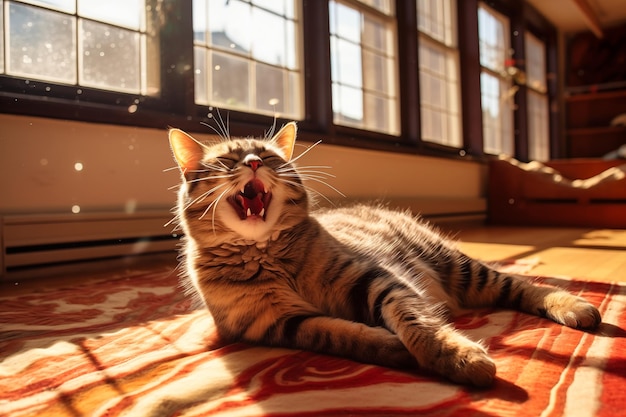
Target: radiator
(35,243)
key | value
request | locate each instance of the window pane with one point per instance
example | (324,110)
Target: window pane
(437,18)
(127,13)
(230,81)
(41,44)
(200,21)
(493,34)
(381,5)
(271,88)
(375,72)
(258,59)
(280,7)
(200,76)
(346,22)
(497,109)
(538,127)
(230,25)
(348,105)
(68,6)
(497,91)
(376,36)
(55,46)
(378,112)
(439,95)
(346,59)
(270,45)
(535,63)
(363,69)
(439,67)
(110,57)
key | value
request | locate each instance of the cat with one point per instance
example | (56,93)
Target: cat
(363,282)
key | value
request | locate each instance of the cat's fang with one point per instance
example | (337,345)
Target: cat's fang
(252,200)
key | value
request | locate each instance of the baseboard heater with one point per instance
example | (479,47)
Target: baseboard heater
(33,244)
(41,245)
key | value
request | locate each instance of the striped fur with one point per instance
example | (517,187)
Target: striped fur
(363,282)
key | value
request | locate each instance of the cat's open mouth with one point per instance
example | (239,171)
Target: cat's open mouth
(252,201)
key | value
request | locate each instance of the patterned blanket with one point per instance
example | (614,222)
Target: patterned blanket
(132,345)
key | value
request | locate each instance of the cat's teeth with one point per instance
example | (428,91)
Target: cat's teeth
(243,188)
(262,212)
(265,190)
(249,212)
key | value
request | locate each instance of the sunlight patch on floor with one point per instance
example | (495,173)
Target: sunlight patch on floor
(495,251)
(604,238)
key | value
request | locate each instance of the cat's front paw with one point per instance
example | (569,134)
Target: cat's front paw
(460,359)
(572,311)
(474,367)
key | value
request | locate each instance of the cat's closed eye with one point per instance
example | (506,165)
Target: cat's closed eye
(227,161)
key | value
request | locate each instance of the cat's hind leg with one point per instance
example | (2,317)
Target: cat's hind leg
(490,288)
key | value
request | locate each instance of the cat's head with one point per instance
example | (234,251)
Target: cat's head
(246,188)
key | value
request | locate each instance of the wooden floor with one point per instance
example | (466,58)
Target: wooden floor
(596,255)
(591,254)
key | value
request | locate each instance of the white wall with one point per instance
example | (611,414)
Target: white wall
(123,169)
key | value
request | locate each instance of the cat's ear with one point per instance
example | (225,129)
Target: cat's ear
(188,152)
(286,139)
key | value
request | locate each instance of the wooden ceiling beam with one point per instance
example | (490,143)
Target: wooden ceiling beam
(590,17)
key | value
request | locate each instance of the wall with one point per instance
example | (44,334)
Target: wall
(125,169)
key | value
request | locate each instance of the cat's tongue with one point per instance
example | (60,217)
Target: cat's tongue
(252,197)
(252,201)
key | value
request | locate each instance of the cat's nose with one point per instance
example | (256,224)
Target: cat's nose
(253,162)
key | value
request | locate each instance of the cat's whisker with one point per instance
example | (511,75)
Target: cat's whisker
(209,207)
(225,128)
(223,131)
(328,185)
(215,167)
(213,177)
(222,168)
(308,189)
(217,132)
(270,132)
(176,219)
(308,177)
(301,155)
(216,202)
(319,174)
(214,205)
(304,168)
(204,195)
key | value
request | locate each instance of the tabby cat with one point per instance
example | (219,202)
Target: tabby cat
(362,282)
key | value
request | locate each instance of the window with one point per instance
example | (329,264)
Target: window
(363,66)
(439,73)
(414,76)
(538,114)
(497,90)
(78,42)
(247,57)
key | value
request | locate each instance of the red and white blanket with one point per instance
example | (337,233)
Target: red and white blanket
(132,346)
